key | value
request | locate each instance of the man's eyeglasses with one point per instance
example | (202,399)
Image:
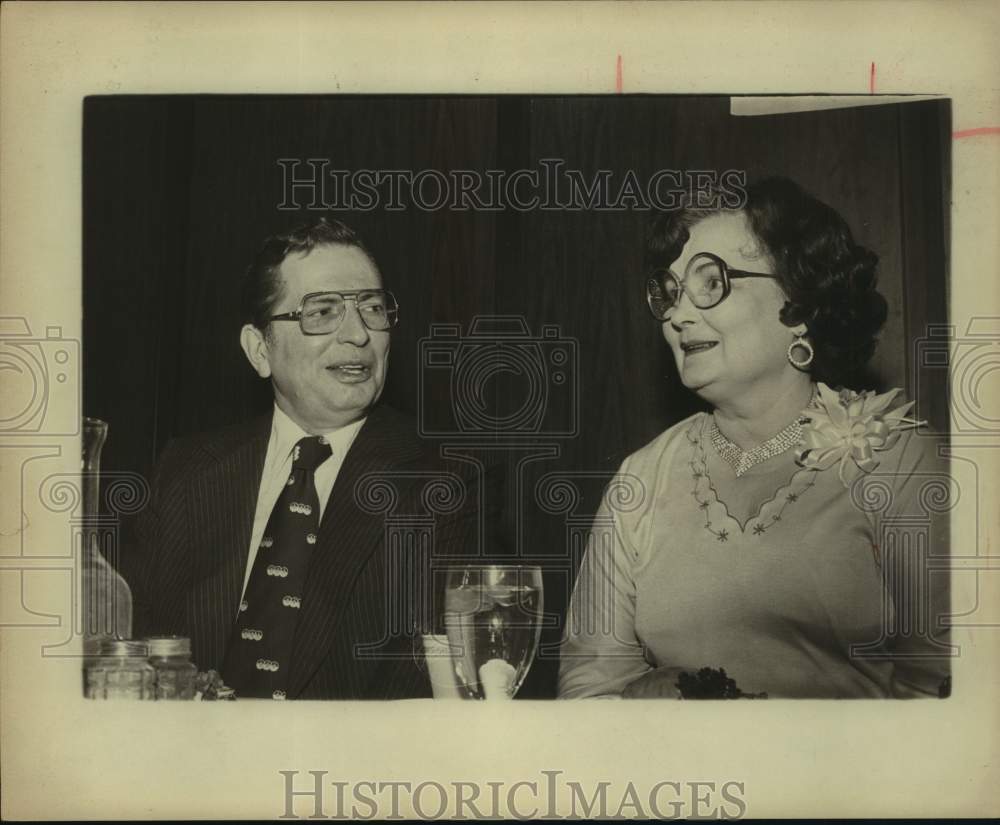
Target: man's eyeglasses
(707,281)
(320,313)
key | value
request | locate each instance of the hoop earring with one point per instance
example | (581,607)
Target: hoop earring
(800,341)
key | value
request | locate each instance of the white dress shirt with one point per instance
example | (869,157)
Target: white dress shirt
(285,434)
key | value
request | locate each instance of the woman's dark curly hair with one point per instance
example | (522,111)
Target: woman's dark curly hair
(829,280)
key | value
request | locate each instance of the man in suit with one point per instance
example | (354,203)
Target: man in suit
(268,543)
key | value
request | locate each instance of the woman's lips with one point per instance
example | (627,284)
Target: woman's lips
(695,347)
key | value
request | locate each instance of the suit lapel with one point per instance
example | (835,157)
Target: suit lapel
(347,539)
(231,485)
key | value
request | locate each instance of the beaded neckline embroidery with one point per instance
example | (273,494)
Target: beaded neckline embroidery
(714,510)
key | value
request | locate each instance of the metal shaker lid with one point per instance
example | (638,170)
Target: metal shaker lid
(123,647)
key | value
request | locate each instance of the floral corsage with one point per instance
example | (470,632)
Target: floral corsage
(849,428)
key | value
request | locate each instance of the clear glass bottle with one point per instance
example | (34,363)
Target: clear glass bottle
(170,657)
(121,671)
(107,600)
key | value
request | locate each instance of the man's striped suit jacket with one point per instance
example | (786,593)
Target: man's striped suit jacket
(367,585)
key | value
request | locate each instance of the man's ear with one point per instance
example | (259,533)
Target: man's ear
(255,348)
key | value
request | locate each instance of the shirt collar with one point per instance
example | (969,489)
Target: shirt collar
(285,434)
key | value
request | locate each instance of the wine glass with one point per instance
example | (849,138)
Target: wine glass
(493,618)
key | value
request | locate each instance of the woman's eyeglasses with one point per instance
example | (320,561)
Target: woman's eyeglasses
(707,282)
(320,313)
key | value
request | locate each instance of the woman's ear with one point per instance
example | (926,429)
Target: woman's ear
(254,344)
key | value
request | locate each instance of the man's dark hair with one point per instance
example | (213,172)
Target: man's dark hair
(829,280)
(262,284)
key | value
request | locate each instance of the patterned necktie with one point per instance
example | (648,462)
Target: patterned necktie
(260,648)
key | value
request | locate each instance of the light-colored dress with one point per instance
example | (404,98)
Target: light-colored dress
(795,583)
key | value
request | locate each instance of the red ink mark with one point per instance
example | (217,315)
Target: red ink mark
(871,80)
(983,130)
(618,76)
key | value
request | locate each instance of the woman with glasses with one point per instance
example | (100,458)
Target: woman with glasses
(782,545)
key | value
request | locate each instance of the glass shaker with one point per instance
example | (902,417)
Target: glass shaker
(120,671)
(170,657)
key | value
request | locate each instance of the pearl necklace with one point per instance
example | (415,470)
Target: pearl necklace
(741,461)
